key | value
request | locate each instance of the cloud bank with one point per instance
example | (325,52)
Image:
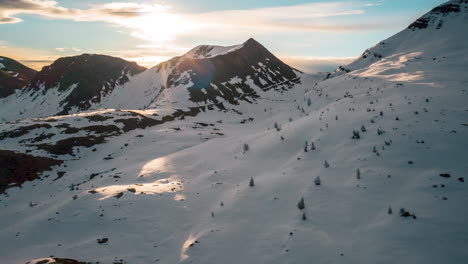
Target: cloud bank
(316,64)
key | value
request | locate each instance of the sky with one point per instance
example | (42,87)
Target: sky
(312,35)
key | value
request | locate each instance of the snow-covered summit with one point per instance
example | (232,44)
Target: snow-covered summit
(209,51)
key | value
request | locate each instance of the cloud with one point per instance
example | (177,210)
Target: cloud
(156,23)
(375,3)
(317,64)
(152,22)
(304,17)
(72,49)
(166,33)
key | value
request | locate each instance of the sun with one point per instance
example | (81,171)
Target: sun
(158,25)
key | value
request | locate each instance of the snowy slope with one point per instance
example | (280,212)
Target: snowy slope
(437,33)
(178,191)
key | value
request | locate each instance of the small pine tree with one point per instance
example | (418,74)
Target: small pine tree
(212,214)
(309,102)
(277,126)
(380,131)
(358,174)
(336,117)
(326,165)
(246,147)
(390,211)
(301,204)
(252,182)
(356,135)
(304,216)
(363,128)
(306,146)
(317,181)
(312,146)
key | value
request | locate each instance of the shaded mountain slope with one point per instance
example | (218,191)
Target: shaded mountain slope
(13,76)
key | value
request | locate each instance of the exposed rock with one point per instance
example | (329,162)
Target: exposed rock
(16,168)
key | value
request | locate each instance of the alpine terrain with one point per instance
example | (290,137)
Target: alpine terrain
(228,155)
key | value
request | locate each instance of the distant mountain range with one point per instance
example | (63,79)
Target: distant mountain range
(206,75)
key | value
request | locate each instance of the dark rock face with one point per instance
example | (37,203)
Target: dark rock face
(420,23)
(93,76)
(13,76)
(436,13)
(252,61)
(16,168)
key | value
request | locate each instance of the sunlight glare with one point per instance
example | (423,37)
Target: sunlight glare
(157,25)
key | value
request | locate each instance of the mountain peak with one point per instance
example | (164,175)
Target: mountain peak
(211,51)
(251,41)
(13,76)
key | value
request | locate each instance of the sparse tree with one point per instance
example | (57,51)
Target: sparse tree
(212,214)
(363,128)
(312,146)
(309,102)
(390,211)
(277,126)
(317,181)
(252,182)
(380,131)
(356,135)
(336,117)
(306,146)
(304,216)
(301,204)
(246,147)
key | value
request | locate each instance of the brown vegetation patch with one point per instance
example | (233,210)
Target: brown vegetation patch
(16,168)
(65,146)
(21,131)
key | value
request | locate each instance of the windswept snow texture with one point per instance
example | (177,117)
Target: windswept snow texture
(210,51)
(387,141)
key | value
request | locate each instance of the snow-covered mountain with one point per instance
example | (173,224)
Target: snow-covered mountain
(69,85)
(369,166)
(439,33)
(207,76)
